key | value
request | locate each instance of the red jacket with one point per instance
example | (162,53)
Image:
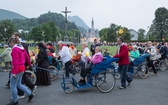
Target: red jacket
(123,56)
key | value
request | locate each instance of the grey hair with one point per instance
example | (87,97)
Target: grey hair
(60,42)
(99,48)
(85,44)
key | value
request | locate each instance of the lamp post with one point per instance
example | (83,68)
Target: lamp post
(5,29)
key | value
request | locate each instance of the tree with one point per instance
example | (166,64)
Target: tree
(126,34)
(103,34)
(74,34)
(160,23)
(110,34)
(36,34)
(6,30)
(47,32)
(141,34)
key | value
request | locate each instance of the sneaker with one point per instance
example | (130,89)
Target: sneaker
(30,97)
(21,96)
(121,87)
(34,89)
(8,85)
(82,82)
(154,74)
(13,103)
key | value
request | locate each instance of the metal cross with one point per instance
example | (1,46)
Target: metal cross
(66,21)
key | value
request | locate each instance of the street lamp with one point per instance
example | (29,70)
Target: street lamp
(5,29)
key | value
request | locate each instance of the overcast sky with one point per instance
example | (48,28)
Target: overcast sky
(133,14)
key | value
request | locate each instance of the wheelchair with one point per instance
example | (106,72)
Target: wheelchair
(139,67)
(99,77)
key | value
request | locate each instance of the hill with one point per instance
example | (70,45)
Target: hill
(78,21)
(58,19)
(24,23)
(5,14)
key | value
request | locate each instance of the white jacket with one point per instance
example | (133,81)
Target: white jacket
(83,57)
(65,54)
(152,53)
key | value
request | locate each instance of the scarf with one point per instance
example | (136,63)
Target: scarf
(72,47)
(62,46)
(118,49)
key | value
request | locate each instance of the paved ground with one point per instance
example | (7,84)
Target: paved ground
(150,91)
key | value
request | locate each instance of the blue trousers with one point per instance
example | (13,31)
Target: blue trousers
(16,82)
(124,77)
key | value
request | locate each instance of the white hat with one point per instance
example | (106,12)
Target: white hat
(134,46)
(60,42)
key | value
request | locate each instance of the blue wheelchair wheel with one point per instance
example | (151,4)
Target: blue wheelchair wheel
(53,72)
(68,87)
(162,65)
(31,76)
(105,81)
(142,71)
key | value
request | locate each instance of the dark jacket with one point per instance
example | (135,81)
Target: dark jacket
(92,48)
(163,51)
(42,57)
(25,45)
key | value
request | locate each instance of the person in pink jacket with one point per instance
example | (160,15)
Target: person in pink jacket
(96,58)
(19,57)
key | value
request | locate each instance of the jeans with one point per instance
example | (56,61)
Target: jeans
(16,82)
(27,82)
(124,77)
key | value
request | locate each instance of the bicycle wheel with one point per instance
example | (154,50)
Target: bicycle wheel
(53,72)
(105,81)
(61,65)
(142,71)
(162,65)
(31,76)
(69,88)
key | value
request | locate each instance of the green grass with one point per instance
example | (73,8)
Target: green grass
(32,48)
(112,50)
(1,50)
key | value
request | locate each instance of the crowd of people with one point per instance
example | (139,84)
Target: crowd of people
(19,57)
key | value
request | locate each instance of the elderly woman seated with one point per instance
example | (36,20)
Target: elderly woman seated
(6,56)
(96,58)
(134,53)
